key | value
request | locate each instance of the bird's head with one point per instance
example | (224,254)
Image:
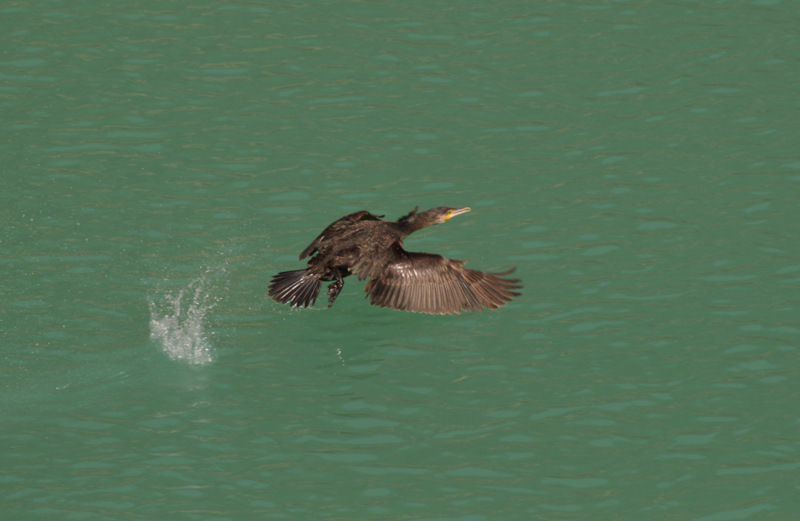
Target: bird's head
(440,214)
(445,214)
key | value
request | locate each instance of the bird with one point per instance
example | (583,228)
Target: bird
(365,245)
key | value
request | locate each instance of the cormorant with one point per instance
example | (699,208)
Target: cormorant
(363,244)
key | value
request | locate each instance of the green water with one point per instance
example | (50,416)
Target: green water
(637,162)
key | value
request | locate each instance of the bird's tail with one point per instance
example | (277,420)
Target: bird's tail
(298,288)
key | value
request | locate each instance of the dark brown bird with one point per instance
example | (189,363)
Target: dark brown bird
(363,244)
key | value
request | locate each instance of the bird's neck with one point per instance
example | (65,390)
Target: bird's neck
(408,227)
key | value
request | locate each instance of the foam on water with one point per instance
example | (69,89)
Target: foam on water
(177,322)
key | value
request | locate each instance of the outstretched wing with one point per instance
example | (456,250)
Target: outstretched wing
(429,283)
(336,227)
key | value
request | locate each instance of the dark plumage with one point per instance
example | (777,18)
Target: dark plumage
(363,244)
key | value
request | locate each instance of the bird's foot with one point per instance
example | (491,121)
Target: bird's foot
(333,291)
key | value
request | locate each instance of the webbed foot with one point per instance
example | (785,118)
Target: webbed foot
(335,288)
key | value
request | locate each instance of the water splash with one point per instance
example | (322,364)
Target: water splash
(177,323)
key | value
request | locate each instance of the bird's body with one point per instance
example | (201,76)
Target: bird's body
(363,244)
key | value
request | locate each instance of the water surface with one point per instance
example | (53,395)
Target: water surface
(636,163)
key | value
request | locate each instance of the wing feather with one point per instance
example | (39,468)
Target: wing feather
(429,283)
(336,228)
